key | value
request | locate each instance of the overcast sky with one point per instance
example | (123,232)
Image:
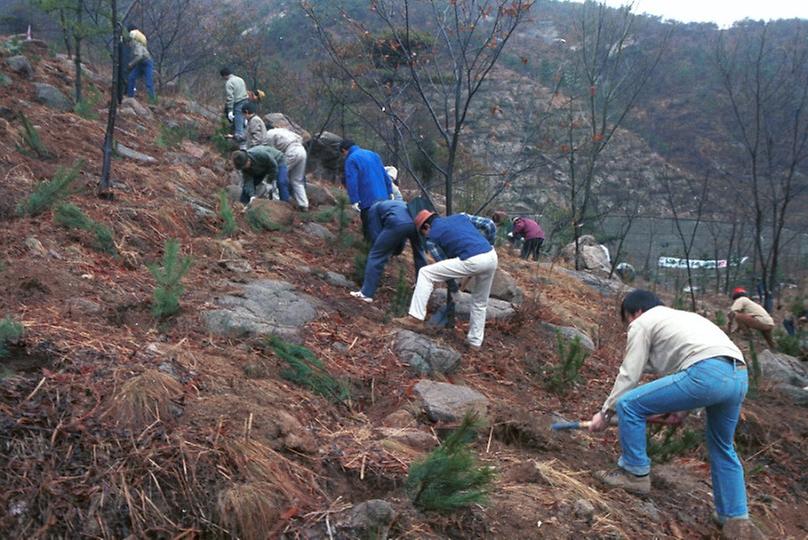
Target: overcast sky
(721,12)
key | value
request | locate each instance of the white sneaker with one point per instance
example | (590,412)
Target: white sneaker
(358,294)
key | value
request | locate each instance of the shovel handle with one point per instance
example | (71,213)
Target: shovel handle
(560,426)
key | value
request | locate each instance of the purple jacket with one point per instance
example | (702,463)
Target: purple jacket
(527,228)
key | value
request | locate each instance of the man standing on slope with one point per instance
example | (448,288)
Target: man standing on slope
(291,144)
(701,367)
(390,226)
(469,255)
(235,97)
(533,235)
(365,179)
(140,64)
(746,313)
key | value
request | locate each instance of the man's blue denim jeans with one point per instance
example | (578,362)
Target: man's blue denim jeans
(717,384)
(283,181)
(238,121)
(390,240)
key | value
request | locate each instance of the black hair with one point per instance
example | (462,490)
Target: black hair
(429,220)
(131,26)
(240,158)
(346,144)
(225,71)
(636,300)
(249,107)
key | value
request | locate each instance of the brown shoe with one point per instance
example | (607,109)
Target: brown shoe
(741,529)
(619,478)
(410,323)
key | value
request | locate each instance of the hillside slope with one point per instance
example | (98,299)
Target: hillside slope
(118,425)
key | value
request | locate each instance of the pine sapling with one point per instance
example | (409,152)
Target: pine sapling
(71,217)
(30,136)
(306,370)
(226,214)
(166,301)
(449,478)
(10,332)
(402,296)
(571,355)
(50,192)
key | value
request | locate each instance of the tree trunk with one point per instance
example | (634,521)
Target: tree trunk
(77,39)
(65,33)
(105,184)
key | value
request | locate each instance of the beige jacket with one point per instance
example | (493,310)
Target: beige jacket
(256,131)
(742,304)
(663,341)
(282,139)
(235,90)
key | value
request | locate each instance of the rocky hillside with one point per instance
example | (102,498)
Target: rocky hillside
(117,424)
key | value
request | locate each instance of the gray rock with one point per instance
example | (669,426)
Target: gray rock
(236,265)
(497,309)
(20,65)
(196,108)
(318,231)
(782,368)
(591,254)
(35,247)
(424,355)
(603,285)
(52,97)
(320,195)
(449,402)
(202,212)
(129,153)
(234,193)
(414,438)
(584,509)
(338,280)
(265,307)
(280,120)
(141,110)
(570,333)
(797,394)
(370,519)
(505,288)
(82,305)
(626,272)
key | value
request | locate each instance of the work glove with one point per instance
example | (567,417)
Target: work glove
(230,116)
(355,206)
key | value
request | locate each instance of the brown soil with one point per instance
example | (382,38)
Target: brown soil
(244,442)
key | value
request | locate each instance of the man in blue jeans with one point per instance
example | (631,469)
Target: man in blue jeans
(389,226)
(701,367)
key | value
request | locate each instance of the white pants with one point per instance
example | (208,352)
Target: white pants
(296,161)
(482,267)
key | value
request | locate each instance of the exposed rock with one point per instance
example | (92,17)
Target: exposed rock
(196,108)
(265,307)
(414,438)
(194,150)
(320,195)
(129,153)
(570,333)
(338,280)
(207,175)
(626,272)
(370,519)
(592,255)
(324,156)
(233,193)
(20,65)
(52,97)
(318,231)
(401,418)
(449,402)
(505,288)
(82,305)
(584,509)
(278,212)
(202,211)
(141,110)
(280,120)
(603,285)
(236,265)
(797,394)
(782,368)
(424,355)
(35,247)
(497,309)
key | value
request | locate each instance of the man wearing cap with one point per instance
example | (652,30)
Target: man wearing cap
(365,179)
(468,254)
(746,313)
(533,234)
(141,64)
(291,144)
(392,172)
(390,226)
(235,97)
(258,164)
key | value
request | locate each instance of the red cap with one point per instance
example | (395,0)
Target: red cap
(739,290)
(421,217)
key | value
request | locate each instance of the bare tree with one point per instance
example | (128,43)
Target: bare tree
(765,84)
(442,71)
(105,183)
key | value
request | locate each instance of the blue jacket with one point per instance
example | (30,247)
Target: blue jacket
(457,237)
(388,215)
(365,177)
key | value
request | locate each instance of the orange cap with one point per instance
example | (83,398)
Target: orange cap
(739,290)
(421,217)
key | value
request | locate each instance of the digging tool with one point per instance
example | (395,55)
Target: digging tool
(672,419)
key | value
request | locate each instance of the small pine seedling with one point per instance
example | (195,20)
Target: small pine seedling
(720,319)
(402,296)
(35,146)
(342,214)
(71,217)
(226,214)
(166,301)
(50,192)
(308,371)
(670,446)
(571,355)
(10,332)
(449,477)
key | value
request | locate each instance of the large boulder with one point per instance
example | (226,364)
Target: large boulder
(20,65)
(591,256)
(278,212)
(140,110)
(601,284)
(424,355)
(505,288)
(265,307)
(324,156)
(320,195)
(280,120)
(497,309)
(790,374)
(570,333)
(315,230)
(444,402)
(52,97)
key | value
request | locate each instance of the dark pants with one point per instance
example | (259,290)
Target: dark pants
(363,215)
(532,247)
(390,242)
(144,69)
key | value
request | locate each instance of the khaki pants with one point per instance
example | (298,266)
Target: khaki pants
(296,159)
(482,267)
(745,320)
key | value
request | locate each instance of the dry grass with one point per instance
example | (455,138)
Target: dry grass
(250,511)
(561,478)
(145,399)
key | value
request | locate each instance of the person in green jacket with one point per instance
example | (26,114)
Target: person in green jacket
(260,164)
